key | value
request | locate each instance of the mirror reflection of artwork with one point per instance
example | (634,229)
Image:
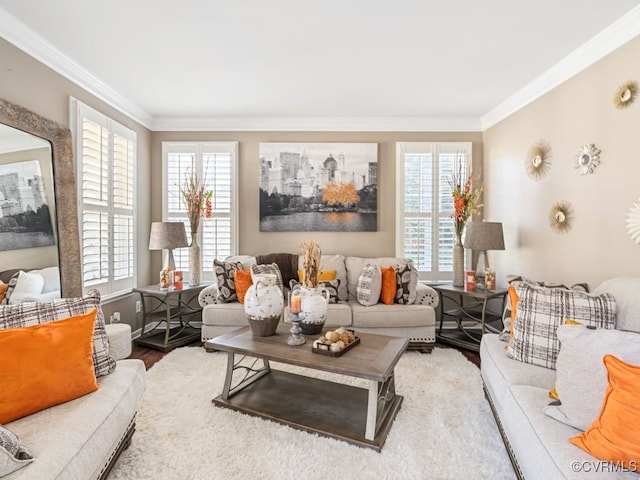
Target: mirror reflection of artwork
(310,187)
(25,220)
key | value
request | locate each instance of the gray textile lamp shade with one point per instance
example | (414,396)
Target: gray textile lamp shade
(483,236)
(167,236)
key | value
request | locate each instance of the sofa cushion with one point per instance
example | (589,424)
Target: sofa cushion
(270,269)
(243,281)
(13,455)
(225,314)
(499,371)
(581,378)
(28,287)
(225,277)
(406,281)
(382,316)
(615,435)
(30,313)
(626,292)
(389,287)
(45,365)
(369,285)
(542,310)
(75,440)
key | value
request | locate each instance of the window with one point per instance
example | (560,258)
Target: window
(424,227)
(216,164)
(106,162)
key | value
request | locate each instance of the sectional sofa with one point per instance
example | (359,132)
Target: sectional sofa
(415,321)
(519,392)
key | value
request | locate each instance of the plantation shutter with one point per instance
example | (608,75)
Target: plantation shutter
(424,231)
(106,162)
(215,162)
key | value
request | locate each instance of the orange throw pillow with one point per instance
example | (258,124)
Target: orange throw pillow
(242,280)
(3,289)
(388,293)
(615,435)
(45,365)
(513,298)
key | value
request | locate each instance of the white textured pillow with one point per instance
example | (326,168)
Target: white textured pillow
(13,455)
(29,286)
(542,310)
(581,377)
(369,285)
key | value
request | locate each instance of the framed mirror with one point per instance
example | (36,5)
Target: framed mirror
(587,159)
(58,138)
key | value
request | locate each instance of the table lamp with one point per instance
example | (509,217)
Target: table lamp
(483,236)
(167,236)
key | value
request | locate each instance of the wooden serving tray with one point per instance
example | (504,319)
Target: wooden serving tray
(329,353)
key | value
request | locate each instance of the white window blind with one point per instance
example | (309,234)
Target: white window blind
(424,230)
(106,157)
(216,164)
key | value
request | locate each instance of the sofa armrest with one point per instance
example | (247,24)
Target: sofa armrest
(208,295)
(425,295)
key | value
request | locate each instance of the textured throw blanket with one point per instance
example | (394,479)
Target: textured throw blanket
(287,263)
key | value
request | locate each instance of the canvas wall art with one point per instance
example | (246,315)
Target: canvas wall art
(25,220)
(318,187)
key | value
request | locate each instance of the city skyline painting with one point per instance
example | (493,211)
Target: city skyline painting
(25,220)
(318,186)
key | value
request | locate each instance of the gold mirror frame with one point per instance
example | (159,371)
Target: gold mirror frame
(587,159)
(625,94)
(537,161)
(64,180)
(561,217)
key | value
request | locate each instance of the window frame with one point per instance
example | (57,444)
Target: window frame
(199,149)
(435,149)
(109,286)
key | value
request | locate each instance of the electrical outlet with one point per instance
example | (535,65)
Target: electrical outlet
(138,306)
(115,317)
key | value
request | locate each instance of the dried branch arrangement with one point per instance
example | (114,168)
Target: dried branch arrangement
(310,263)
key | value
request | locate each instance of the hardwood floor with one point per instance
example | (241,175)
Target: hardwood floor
(150,356)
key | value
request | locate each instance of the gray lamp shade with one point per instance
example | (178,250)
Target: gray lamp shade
(484,236)
(167,235)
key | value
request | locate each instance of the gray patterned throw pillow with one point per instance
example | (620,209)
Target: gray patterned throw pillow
(13,455)
(35,313)
(271,268)
(225,273)
(369,285)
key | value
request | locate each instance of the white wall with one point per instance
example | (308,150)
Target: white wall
(578,112)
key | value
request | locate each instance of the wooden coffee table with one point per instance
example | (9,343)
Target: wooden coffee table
(362,416)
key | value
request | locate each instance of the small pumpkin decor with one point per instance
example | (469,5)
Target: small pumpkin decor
(560,217)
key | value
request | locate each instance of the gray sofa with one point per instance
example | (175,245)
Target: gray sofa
(519,392)
(82,438)
(415,321)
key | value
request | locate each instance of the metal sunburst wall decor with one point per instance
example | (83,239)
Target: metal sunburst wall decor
(537,161)
(561,217)
(626,94)
(633,222)
(587,159)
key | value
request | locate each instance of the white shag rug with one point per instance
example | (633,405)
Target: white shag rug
(444,429)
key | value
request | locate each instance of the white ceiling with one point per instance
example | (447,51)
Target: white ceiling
(319,65)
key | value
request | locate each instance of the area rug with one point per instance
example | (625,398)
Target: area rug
(444,429)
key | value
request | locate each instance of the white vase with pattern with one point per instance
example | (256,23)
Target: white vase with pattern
(263,304)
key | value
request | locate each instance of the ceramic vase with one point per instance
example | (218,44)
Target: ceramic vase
(315,304)
(263,304)
(458,263)
(195,265)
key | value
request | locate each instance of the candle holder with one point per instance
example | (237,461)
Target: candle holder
(295,316)
(296,337)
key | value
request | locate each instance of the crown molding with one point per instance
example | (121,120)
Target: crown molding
(319,124)
(17,33)
(614,36)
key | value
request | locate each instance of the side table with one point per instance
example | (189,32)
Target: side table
(471,315)
(173,309)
